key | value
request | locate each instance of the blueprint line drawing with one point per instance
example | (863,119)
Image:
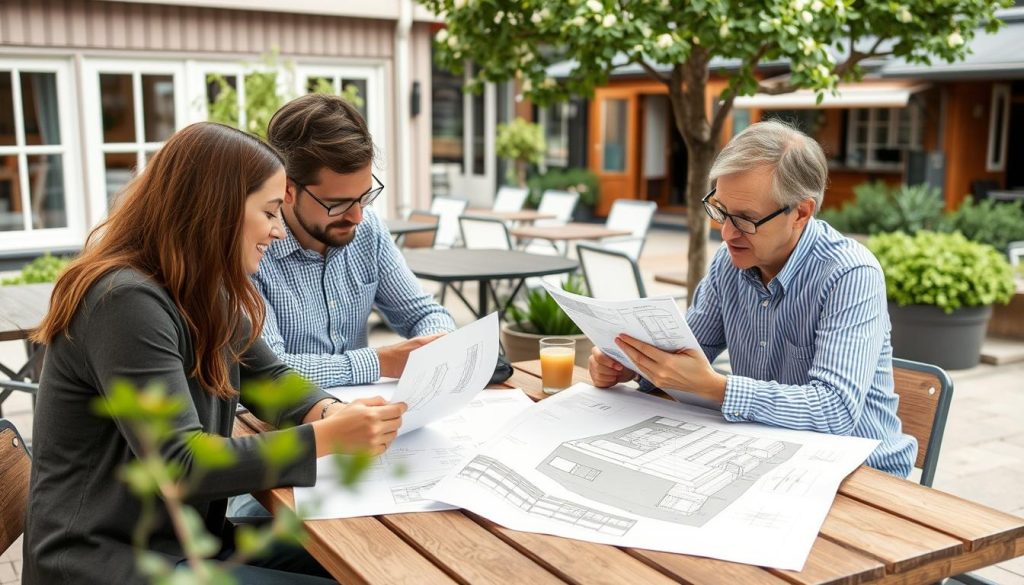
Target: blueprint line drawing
(413,492)
(795,482)
(516,490)
(659,325)
(667,468)
(426,393)
(467,369)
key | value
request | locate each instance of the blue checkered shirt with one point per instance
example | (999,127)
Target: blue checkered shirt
(811,350)
(317,306)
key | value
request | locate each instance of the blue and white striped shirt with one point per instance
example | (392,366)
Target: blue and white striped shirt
(318,307)
(811,350)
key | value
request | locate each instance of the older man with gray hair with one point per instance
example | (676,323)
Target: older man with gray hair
(800,307)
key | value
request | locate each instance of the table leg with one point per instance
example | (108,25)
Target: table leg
(482,299)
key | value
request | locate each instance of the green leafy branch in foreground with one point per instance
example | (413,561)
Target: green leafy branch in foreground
(148,414)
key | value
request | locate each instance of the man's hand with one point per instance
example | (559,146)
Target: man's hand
(688,370)
(393,357)
(606,372)
(367,424)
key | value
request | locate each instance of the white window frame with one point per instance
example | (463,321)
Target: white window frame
(544,118)
(995,160)
(73,233)
(91,70)
(892,135)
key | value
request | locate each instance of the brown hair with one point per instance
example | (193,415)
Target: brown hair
(180,223)
(319,131)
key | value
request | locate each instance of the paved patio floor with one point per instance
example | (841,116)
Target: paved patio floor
(982,454)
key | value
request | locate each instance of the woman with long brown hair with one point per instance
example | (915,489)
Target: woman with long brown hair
(161,293)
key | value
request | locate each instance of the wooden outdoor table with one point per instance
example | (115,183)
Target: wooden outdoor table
(400,227)
(569,231)
(22,308)
(525,215)
(880,529)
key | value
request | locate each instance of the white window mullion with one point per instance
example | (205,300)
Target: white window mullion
(19,140)
(140,120)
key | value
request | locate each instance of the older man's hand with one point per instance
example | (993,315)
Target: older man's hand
(606,372)
(688,370)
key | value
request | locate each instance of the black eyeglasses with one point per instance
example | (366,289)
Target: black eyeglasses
(342,207)
(747,226)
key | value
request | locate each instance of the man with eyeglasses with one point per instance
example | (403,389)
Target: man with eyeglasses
(337,259)
(800,307)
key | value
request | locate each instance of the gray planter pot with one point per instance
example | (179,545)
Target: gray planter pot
(522,346)
(925,333)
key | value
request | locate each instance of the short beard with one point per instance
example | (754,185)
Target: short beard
(321,234)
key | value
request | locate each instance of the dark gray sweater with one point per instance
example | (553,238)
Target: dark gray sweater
(80,516)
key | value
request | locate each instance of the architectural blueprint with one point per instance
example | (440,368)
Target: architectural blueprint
(443,376)
(654,320)
(619,467)
(398,479)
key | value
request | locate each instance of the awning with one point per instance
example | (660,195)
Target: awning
(888,94)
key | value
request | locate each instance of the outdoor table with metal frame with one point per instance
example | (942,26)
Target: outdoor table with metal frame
(567,232)
(22,308)
(880,529)
(448,266)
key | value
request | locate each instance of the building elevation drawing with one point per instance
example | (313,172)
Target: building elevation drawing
(665,468)
(517,490)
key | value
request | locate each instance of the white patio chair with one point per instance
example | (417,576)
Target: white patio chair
(1015,250)
(447,211)
(510,199)
(484,233)
(610,274)
(561,204)
(636,216)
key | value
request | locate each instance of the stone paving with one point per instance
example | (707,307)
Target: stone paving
(982,453)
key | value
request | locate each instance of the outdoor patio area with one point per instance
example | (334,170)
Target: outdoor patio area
(983,448)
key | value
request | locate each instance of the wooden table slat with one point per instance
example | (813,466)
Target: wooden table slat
(900,543)
(469,552)
(835,564)
(703,570)
(372,553)
(935,571)
(974,524)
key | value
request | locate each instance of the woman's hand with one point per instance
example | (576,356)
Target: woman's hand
(367,424)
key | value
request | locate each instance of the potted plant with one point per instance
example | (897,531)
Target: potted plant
(521,142)
(542,317)
(44,269)
(941,288)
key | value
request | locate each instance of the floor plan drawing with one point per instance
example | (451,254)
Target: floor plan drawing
(413,492)
(516,490)
(432,388)
(665,468)
(660,325)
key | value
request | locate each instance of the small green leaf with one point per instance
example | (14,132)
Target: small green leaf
(280,448)
(211,451)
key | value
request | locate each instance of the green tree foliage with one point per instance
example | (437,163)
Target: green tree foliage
(941,269)
(675,41)
(148,413)
(521,142)
(574,180)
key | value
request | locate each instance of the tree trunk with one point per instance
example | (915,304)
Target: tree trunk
(687,94)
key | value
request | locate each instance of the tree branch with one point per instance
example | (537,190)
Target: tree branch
(652,71)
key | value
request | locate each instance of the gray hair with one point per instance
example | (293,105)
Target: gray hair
(800,168)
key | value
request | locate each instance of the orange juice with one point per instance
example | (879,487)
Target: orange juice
(556,365)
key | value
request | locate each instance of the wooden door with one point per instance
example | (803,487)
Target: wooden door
(613,130)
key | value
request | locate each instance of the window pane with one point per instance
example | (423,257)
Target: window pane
(354,90)
(46,186)
(477,105)
(120,167)
(614,125)
(39,105)
(10,194)
(158,106)
(446,119)
(316,84)
(556,135)
(7,137)
(222,99)
(118,107)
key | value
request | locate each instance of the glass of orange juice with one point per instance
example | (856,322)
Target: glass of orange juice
(557,358)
